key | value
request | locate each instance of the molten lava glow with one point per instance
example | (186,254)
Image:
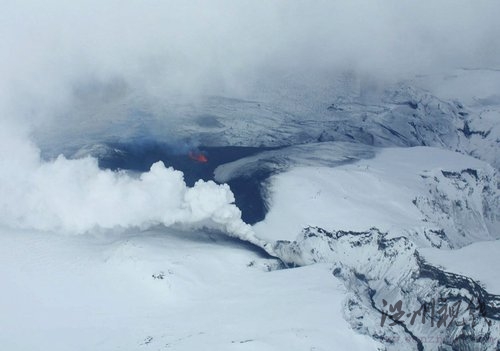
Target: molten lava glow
(199,157)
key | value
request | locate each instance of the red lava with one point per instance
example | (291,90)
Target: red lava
(198,157)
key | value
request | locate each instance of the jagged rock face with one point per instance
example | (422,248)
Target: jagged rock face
(385,276)
(355,249)
(408,116)
(465,205)
(404,116)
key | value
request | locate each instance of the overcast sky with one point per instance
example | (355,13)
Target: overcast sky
(208,47)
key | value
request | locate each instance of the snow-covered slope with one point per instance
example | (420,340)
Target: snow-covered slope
(436,197)
(371,217)
(389,282)
(479,261)
(249,175)
(163,290)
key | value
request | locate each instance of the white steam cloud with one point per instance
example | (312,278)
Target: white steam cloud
(75,196)
(188,48)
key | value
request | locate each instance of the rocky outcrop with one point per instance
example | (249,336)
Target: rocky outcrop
(395,296)
(464,205)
